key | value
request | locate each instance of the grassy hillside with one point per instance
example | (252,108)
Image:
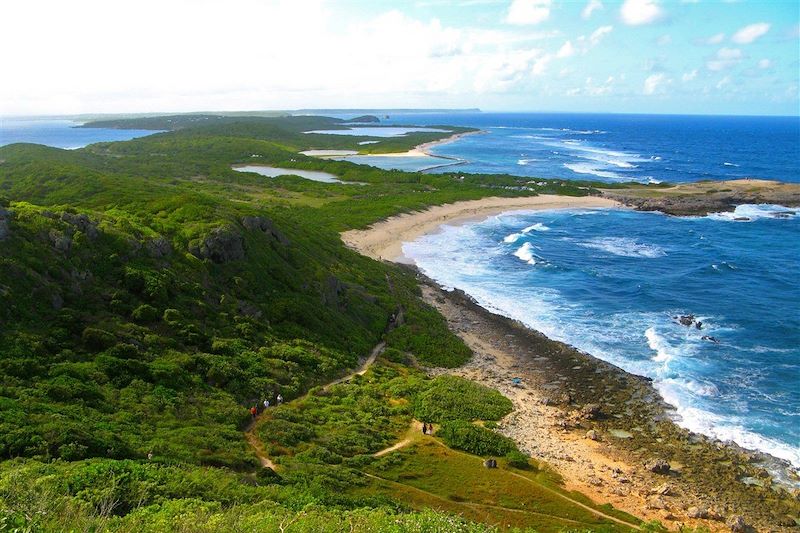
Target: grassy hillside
(151,294)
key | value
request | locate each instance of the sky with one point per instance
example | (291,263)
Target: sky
(639,56)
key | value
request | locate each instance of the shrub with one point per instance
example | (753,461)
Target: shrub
(454,398)
(462,435)
(171,316)
(145,313)
(98,339)
(517,459)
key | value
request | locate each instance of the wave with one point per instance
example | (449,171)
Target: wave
(525,253)
(750,212)
(729,164)
(514,237)
(586,168)
(725,429)
(664,352)
(535,227)
(524,162)
(624,247)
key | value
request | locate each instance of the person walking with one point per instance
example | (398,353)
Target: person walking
(253,412)
(424,428)
(266,404)
(280,399)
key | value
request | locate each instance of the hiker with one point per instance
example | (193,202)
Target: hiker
(266,404)
(254,412)
(280,399)
(424,428)
(150,456)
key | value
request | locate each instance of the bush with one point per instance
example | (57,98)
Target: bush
(454,398)
(517,459)
(98,339)
(171,316)
(462,435)
(145,313)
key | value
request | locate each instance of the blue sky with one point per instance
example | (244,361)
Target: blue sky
(681,56)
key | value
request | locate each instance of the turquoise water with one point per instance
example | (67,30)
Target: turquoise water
(60,133)
(610,282)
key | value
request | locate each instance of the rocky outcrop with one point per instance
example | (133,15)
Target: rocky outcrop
(222,245)
(266,226)
(82,223)
(5,226)
(158,248)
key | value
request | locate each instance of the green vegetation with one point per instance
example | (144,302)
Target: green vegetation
(151,294)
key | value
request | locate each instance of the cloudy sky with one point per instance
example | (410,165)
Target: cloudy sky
(681,56)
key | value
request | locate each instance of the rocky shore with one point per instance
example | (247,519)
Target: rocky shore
(608,433)
(702,198)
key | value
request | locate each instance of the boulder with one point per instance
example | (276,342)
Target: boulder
(61,242)
(656,502)
(697,512)
(265,225)
(158,247)
(221,246)
(737,524)
(592,435)
(590,411)
(81,223)
(662,490)
(658,466)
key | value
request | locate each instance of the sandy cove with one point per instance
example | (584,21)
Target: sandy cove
(597,425)
(384,240)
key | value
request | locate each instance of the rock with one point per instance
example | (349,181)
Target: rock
(5,230)
(709,338)
(658,466)
(592,435)
(590,411)
(81,223)
(662,490)
(656,502)
(158,247)
(737,524)
(685,320)
(697,512)
(61,242)
(221,246)
(596,481)
(265,225)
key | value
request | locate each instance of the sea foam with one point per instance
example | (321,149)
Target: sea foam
(624,247)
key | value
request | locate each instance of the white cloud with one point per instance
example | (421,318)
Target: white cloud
(598,34)
(750,33)
(639,12)
(723,82)
(689,76)
(654,83)
(528,12)
(566,50)
(715,39)
(591,7)
(724,59)
(764,63)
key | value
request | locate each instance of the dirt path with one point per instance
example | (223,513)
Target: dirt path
(412,435)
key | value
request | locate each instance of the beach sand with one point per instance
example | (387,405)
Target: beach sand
(602,454)
(384,240)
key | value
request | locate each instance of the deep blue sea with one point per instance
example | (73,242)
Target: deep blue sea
(613,148)
(610,281)
(60,133)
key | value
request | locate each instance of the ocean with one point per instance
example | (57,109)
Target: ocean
(60,133)
(618,148)
(614,282)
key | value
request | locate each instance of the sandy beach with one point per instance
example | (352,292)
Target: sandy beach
(600,427)
(384,240)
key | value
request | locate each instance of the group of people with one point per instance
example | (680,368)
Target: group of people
(266,404)
(427,429)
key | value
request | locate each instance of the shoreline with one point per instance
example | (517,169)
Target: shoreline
(383,240)
(714,479)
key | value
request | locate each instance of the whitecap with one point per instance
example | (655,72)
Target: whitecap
(535,227)
(624,247)
(750,212)
(525,253)
(727,164)
(514,237)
